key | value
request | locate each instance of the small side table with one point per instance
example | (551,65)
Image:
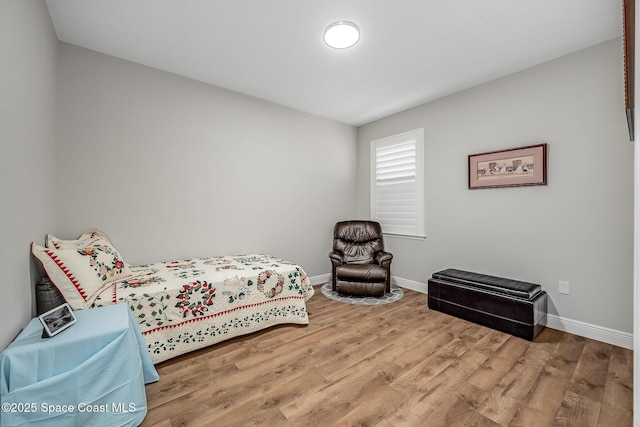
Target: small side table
(91,374)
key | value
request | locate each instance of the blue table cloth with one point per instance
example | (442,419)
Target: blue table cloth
(91,374)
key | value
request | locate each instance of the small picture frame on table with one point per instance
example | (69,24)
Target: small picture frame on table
(57,320)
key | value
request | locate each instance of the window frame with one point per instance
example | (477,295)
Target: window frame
(416,136)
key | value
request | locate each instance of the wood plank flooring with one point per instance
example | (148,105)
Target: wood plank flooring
(399,364)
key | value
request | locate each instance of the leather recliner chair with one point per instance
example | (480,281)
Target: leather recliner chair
(360,265)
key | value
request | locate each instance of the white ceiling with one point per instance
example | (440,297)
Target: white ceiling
(410,51)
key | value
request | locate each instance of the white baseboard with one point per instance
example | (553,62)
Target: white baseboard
(576,327)
(594,332)
(319,280)
(409,284)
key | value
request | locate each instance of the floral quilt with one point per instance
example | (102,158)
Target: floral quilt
(185,305)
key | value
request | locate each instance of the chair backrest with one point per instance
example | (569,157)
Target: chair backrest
(359,241)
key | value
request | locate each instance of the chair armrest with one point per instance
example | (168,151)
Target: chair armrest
(336,260)
(383,257)
(336,257)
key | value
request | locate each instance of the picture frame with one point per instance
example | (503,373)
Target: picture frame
(628,41)
(513,167)
(57,320)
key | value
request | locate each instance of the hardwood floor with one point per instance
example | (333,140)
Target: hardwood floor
(399,364)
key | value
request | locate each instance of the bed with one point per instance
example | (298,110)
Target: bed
(180,306)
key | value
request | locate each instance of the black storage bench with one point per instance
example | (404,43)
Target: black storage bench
(511,306)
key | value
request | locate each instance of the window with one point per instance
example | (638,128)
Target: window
(397,183)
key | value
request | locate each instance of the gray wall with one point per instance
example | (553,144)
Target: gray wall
(578,228)
(27,178)
(172,168)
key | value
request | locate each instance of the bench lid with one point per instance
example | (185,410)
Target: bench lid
(501,285)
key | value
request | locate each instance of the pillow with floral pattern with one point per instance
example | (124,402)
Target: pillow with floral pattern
(82,271)
(52,241)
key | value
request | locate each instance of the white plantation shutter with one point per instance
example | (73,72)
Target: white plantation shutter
(397,200)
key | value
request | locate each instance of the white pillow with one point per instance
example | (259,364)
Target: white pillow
(82,270)
(53,242)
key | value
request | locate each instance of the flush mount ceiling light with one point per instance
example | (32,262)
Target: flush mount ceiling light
(341,34)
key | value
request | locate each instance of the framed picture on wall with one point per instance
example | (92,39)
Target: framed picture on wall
(629,37)
(509,168)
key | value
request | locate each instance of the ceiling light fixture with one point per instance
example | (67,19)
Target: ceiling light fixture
(341,34)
